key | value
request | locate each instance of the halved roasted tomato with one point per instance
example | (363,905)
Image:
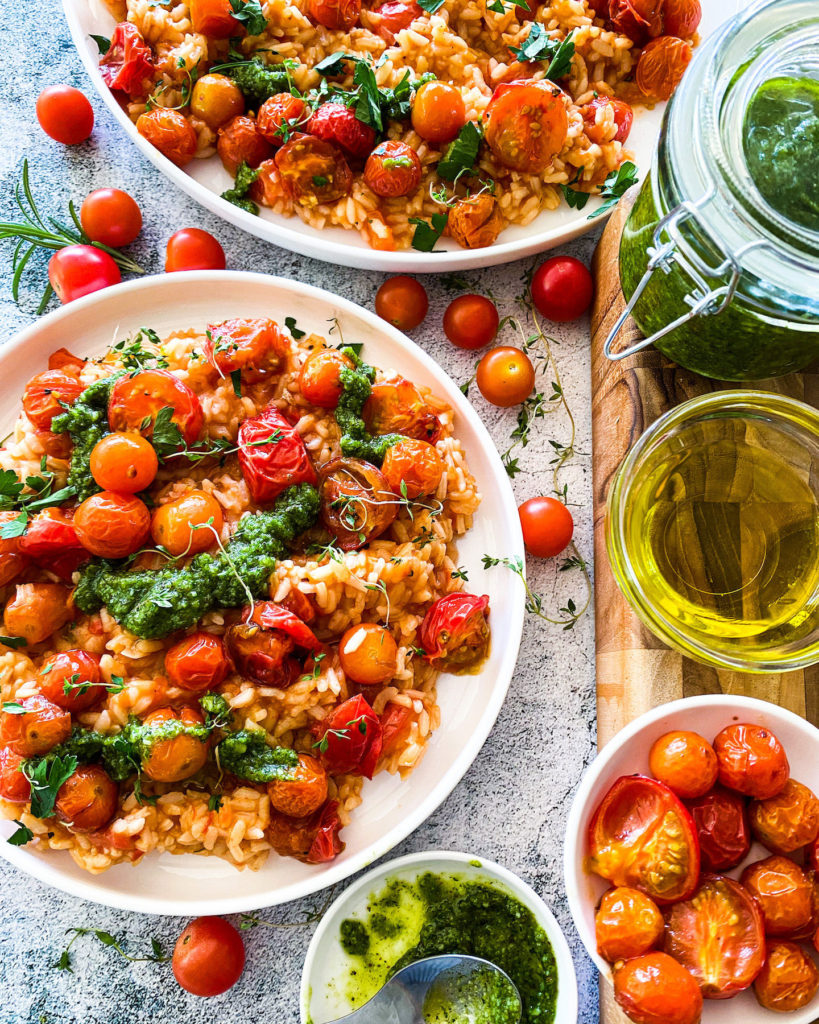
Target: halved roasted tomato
(642,836)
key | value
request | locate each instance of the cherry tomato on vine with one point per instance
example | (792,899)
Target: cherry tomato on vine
(547,526)
(562,289)
(505,376)
(402,301)
(124,462)
(78,270)
(471,321)
(110,216)
(209,956)
(193,249)
(65,114)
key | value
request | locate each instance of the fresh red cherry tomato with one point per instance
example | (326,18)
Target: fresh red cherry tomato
(402,301)
(209,956)
(78,270)
(349,739)
(505,376)
(65,114)
(471,321)
(562,289)
(193,249)
(547,526)
(110,216)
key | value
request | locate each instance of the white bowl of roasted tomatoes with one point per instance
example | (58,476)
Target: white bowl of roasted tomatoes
(692,864)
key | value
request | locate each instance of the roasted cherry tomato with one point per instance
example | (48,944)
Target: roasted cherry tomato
(785,822)
(48,534)
(395,15)
(62,359)
(57,446)
(654,989)
(208,957)
(40,726)
(599,121)
(402,301)
(471,321)
(789,979)
(110,216)
(124,462)
(356,503)
(65,114)
(783,892)
(12,562)
(14,786)
(475,222)
(454,632)
(112,525)
(37,610)
(262,642)
(254,346)
(349,739)
(396,722)
(300,604)
(302,794)
(139,398)
(272,455)
(241,142)
(368,654)
(280,115)
(627,924)
(662,65)
(723,829)
(751,761)
(267,189)
(547,526)
(170,132)
(179,757)
(398,407)
(198,663)
(681,18)
(216,99)
(320,377)
(393,169)
(193,249)
(505,376)
(71,680)
(214,19)
(643,837)
(335,122)
(78,270)
(812,855)
(314,840)
(413,468)
(313,171)
(685,762)
(438,112)
(562,289)
(87,800)
(336,14)
(47,394)
(718,935)
(526,125)
(376,232)
(128,66)
(189,524)
(640,20)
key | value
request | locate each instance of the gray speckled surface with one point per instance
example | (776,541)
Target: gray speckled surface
(513,802)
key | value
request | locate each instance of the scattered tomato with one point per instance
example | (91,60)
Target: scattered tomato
(402,301)
(320,377)
(65,114)
(789,979)
(40,726)
(783,892)
(627,924)
(562,289)
(71,680)
(137,399)
(723,829)
(208,957)
(413,468)
(505,376)
(393,169)
(454,633)
(78,270)
(662,65)
(398,407)
(87,800)
(170,132)
(216,99)
(272,455)
(340,15)
(128,66)
(198,663)
(37,610)
(337,123)
(471,321)
(547,526)
(368,654)
(14,786)
(654,989)
(47,394)
(188,524)
(788,821)
(349,739)
(193,249)
(112,525)
(110,216)
(356,503)
(438,112)
(172,760)
(304,793)
(685,762)
(751,760)
(124,462)
(526,125)
(241,142)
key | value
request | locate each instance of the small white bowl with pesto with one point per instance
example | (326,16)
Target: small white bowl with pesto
(432,903)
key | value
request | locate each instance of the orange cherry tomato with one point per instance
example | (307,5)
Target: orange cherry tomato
(547,526)
(280,115)
(413,468)
(641,836)
(41,726)
(627,924)
(685,762)
(241,142)
(369,654)
(505,376)
(723,828)
(751,760)
(313,171)
(662,65)
(170,132)
(216,99)
(304,793)
(71,680)
(214,19)
(471,321)
(124,462)
(12,561)
(320,377)
(178,758)
(87,800)
(189,524)
(254,346)
(193,249)
(208,957)
(526,125)
(438,112)
(783,892)
(198,663)
(47,393)
(336,14)
(681,18)
(402,301)
(37,610)
(475,222)
(65,114)
(789,979)
(138,398)
(788,821)
(398,407)
(110,216)
(654,989)
(393,169)
(718,934)
(112,525)
(14,786)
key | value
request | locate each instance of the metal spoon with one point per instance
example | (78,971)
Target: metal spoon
(450,988)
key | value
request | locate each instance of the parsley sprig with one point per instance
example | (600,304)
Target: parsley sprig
(612,190)
(542,45)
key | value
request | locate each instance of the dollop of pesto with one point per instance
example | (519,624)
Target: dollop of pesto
(257,80)
(153,603)
(245,753)
(354,938)
(238,195)
(86,422)
(356,441)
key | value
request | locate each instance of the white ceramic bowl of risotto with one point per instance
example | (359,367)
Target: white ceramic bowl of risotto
(391,807)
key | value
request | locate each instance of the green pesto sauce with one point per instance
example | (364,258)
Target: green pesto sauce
(257,81)
(87,423)
(484,997)
(356,441)
(238,195)
(247,755)
(438,914)
(781,141)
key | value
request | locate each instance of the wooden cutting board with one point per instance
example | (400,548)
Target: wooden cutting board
(635,671)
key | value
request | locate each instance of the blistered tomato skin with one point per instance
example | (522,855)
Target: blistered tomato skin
(71,680)
(241,142)
(654,989)
(685,762)
(112,525)
(788,821)
(302,795)
(272,455)
(14,786)
(393,169)
(47,394)
(320,377)
(170,132)
(198,663)
(454,632)
(723,829)
(280,115)
(216,99)
(256,346)
(356,503)
(751,761)
(124,462)
(784,893)
(41,726)
(627,924)
(413,468)
(349,739)
(87,801)
(662,65)
(475,222)
(337,123)
(313,171)
(398,407)
(622,115)
(526,125)
(138,398)
(789,979)
(336,14)
(313,840)
(172,760)
(37,610)
(189,524)
(368,654)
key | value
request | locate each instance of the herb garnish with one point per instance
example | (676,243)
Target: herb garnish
(156,956)
(250,14)
(540,45)
(46,775)
(461,153)
(427,233)
(21,835)
(295,332)
(103,43)
(615,186)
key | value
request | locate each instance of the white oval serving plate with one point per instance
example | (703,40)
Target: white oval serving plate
(192,885)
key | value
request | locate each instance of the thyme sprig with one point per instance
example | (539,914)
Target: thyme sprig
(156,956)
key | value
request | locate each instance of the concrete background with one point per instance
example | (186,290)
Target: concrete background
(512,804)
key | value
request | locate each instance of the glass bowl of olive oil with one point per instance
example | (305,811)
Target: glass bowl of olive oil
(713,530)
